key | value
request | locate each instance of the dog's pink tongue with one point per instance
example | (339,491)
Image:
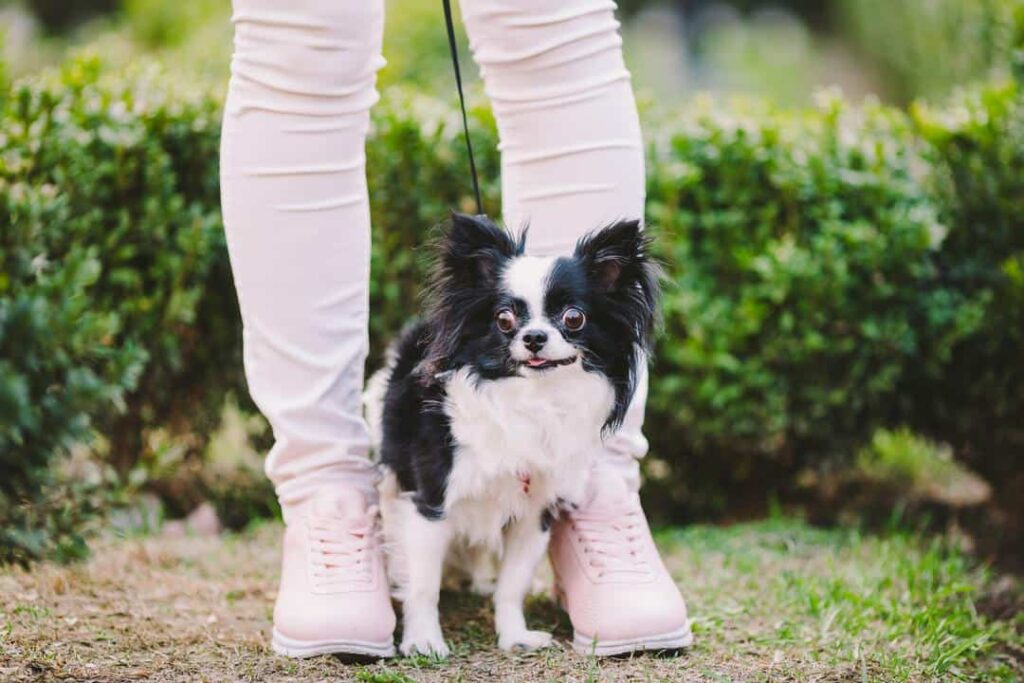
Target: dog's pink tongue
(534,362)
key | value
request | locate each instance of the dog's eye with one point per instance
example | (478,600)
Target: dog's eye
(506,320)
(573,319)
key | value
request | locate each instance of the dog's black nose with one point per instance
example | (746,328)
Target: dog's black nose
(535,339)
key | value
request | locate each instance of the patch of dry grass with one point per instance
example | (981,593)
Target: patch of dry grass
(776,601)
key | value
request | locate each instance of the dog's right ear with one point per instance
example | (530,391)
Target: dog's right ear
(474,249)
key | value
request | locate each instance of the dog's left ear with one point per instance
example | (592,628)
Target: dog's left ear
(617,256)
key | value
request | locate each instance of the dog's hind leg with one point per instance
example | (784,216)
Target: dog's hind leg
(483,571)
(525,543)
(424,545)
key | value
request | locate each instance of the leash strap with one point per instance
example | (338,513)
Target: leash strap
(462,102)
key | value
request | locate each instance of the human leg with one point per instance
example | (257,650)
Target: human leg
(296,214)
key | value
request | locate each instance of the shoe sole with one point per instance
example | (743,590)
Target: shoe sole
(673,640)
(300,649)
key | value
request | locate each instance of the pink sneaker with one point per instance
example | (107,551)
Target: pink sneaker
(334,596)
(610,578)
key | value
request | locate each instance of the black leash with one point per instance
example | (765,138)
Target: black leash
(462,102)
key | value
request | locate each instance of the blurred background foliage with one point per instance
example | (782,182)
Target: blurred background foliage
(783,50)
(844,316)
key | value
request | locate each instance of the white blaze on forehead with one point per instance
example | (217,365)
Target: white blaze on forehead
(527,278)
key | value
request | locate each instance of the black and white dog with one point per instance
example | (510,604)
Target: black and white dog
(490,410)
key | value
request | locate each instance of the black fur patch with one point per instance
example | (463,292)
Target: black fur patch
(464,294)
(612,278)
(547,518)
(416,442)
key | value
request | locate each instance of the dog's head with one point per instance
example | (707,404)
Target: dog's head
(506,314)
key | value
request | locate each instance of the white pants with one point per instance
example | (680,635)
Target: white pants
(297,214)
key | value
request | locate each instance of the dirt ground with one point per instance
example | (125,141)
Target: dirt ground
(199,609)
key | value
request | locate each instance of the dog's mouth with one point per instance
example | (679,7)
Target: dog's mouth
(546,363)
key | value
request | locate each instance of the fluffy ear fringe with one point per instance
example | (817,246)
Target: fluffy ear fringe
(609,251)
(468,257)
(473,248)
(618,260)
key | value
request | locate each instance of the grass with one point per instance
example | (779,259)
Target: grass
(771,601)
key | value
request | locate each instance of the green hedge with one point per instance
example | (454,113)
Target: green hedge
(116,310)
(802,254)
(830,271)
(976,148)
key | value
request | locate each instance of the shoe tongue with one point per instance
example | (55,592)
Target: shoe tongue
(347,505)
(606,489)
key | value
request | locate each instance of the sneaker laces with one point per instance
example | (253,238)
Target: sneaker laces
(613,540)
(342,554)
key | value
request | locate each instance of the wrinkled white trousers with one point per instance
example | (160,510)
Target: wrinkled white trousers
(297,214)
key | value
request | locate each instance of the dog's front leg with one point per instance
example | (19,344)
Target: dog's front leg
(425,543)
(525,543)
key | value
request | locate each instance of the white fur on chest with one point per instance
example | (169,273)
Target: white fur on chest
(543,429)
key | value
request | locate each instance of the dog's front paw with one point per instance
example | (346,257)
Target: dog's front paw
(524,640)
(428,642)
